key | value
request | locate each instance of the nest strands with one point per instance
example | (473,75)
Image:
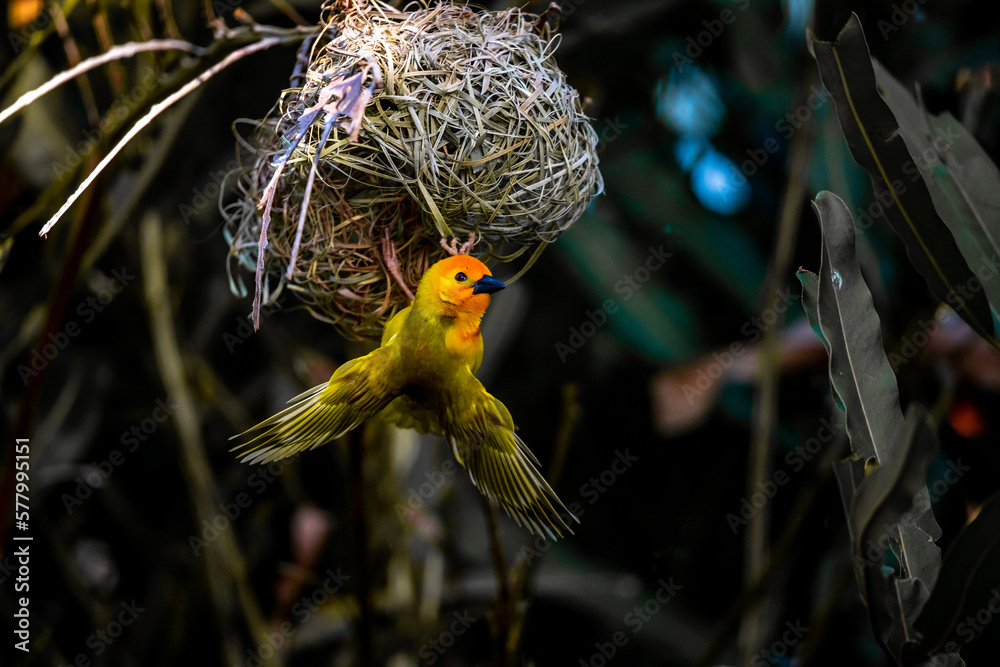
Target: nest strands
(340,270)
(411,126)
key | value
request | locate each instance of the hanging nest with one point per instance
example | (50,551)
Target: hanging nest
(406,127)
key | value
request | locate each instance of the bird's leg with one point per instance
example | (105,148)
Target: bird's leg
(467,246)
(454,249)
(450,249)
(392,263)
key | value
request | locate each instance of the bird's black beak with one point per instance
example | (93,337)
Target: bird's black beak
(487,285)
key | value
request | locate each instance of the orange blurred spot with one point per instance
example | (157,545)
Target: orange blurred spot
(22,12)
(967,420)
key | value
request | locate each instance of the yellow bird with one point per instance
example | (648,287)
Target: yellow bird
(423,377)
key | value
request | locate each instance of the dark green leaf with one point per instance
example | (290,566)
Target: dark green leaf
(810,294)
(969,582)
(888,507)
(961,179)
(859,370)
(872,133)
(850,474)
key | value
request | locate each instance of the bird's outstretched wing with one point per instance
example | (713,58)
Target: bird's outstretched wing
(357,391)
(482,437)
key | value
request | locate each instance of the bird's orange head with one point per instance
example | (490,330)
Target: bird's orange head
(459,285)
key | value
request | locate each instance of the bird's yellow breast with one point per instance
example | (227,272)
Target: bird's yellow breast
(429,348)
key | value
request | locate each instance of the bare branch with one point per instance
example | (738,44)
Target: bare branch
(155,111)
(117,53)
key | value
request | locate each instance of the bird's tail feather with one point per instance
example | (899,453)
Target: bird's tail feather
(508,476)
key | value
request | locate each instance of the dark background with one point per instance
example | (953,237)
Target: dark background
(667,132)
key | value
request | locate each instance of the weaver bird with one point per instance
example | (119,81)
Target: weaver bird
(423,377)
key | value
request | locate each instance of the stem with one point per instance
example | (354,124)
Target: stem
(754,624)
(357,463)
(225,567)
(503,618)
(81,230)
(776,561)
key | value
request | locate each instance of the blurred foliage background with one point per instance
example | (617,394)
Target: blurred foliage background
(631,356)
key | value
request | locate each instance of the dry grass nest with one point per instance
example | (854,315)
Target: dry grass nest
(400,128)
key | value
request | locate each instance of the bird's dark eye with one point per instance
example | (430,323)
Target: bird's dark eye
(461,277)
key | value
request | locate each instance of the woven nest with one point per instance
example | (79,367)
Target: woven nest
(406,127)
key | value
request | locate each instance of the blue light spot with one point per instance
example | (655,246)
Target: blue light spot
(799,12)
(688,150)
(688,102)
(719,185)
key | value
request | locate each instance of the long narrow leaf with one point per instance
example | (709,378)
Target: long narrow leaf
(810,298)
(969,582)
(885,511)
(810,295)
(872,134)
(890,506)
(962,180)
(859,369)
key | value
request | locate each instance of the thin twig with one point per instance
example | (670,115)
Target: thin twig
(117,53)
(288,10)
(776,557)
(155,111)
(365,624)
(152,162)
(567,423)
(224,558)
(73,57)
(503,617)
(81,229)
(754,624)
(305,199)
